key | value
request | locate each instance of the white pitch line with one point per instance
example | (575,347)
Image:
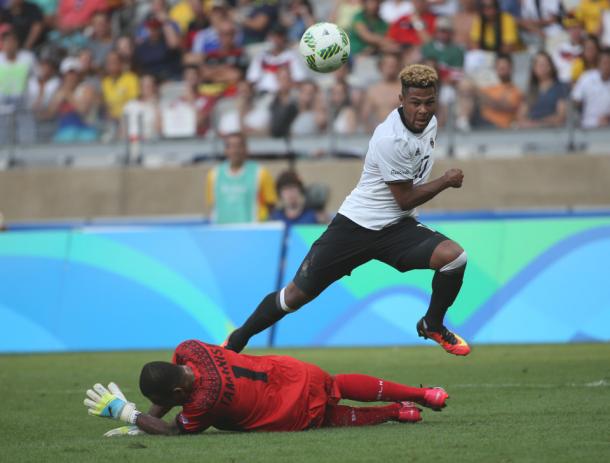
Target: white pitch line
(599,383)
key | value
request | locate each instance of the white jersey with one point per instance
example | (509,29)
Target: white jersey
(395,154)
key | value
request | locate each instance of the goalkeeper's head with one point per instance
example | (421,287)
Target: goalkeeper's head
(166,384)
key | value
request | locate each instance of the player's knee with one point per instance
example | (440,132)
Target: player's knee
(292,298)
(448,256)
(457,265)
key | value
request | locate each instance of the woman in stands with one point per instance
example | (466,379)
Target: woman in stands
(545,105)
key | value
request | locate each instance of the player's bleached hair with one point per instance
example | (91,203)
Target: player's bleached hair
(159,379)
(418,76)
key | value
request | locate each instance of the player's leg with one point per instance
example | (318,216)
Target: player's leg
(411,245)
(270,310)
(449,262)
(364,388)
(341,248)
(342,415)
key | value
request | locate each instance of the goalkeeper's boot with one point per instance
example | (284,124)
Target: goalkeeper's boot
(449,341)
(409,413)
(434,398)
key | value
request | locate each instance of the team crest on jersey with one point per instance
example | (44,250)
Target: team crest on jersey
(417,152)
(432,143)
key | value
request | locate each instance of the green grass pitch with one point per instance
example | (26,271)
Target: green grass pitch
(508,404)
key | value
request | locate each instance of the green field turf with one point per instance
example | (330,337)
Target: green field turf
(508,404)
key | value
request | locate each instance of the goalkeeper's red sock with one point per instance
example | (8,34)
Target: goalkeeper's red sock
(342,415)
(366,388)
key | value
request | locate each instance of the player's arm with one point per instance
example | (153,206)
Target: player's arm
(409,196)
(158,411)
(153,425)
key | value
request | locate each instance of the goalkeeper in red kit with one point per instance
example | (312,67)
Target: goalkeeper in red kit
(229,391)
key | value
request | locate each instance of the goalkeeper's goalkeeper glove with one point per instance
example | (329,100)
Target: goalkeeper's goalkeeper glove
(124,431)
(102,402)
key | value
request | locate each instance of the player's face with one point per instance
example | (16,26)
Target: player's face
(235,149)
(419,105)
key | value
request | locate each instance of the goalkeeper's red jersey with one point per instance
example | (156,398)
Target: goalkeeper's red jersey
(251,393)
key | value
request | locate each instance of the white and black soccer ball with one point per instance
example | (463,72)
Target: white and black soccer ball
(325,47)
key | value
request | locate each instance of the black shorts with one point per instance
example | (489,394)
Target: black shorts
(345,245)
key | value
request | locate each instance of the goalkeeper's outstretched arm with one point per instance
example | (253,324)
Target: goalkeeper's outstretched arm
(153,425)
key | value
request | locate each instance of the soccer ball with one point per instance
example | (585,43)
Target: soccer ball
(325,47)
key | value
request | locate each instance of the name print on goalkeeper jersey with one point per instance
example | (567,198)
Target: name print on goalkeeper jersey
(236,391)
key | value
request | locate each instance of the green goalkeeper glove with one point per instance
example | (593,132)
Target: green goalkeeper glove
(102,402)
(124,431)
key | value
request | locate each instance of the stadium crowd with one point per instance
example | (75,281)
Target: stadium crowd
(99,70)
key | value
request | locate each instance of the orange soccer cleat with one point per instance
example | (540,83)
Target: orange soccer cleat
(409,413)
(449,341)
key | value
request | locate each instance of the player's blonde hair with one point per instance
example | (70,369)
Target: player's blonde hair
(418,76)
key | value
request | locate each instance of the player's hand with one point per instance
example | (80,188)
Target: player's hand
(102,402)
(124,431)
(454,178)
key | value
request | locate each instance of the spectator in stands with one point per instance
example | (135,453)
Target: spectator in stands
(126,49)
(101,41)
(74,105)
(200,21)
(89,73)
(259,20)
(590,13)
(448,56)
(143,115)
(72,18)
(118,87)
(262,72)
(203,105)
(183,12)
(224,67)
(27,21)
(344,117)
(238,190)
(462,22)
(381,98)
(546,98)
(16,67)
(368,31)
(414,29)
(588,59)
(293,208)
(344,12)
(311,111)
(297,18)
(251,114)
(42,86)
(493,29)
(592,94)
(49,10)
(540,19)
(495,105)
(159,53)
(159,11)
(208,39)
(392,10)
(284,107)
(568,51)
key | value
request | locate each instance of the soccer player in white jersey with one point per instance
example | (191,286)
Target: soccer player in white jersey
(378,221)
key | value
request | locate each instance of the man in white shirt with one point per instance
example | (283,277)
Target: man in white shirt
(592,93)
(378,221)
(262,72)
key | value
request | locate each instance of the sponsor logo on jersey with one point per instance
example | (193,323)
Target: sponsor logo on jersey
(417,152)
(398,172)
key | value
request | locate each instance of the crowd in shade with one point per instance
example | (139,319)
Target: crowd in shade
(102,70)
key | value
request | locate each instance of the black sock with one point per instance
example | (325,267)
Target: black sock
(266,314)
(445,288)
